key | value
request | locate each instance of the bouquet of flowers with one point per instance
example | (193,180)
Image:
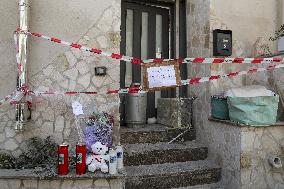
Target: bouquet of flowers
(98,128)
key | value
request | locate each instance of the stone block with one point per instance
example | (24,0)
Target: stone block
(101,184)
(30,184)
(116,184)
(14,183)
(83,184)
(44,184)
(4,184)
(67,184)
(174,112)
(55,184)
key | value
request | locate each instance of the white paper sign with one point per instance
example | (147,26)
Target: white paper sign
(77,108)
(162,76)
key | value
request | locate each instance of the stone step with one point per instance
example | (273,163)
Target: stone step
(148,154)
(153,134)
(172,175)
(205,186)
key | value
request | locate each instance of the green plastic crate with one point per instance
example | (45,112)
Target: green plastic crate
(254,111)
(219,108)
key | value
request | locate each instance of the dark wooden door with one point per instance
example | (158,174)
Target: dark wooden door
(145,34)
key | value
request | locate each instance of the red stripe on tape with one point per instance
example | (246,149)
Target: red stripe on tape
(257,60)
(77,46)
(271,67)
(238,60)
(71,93)
(218,60)
(136,61)
(91,93)
(112,91)
(116,56)
(198,60)
(214,77)
(158,60)
(194,80)
(55,40)
(253,70)
(37,34)
(180,60)
(277,59)
(232,74)
(97,51)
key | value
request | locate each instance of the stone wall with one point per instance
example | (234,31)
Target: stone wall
(252,24)
(258,145)
(55,67)
(224,141)
(62,184)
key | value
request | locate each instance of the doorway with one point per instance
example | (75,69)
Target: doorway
(147,31)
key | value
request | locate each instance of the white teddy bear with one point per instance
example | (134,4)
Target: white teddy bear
(97,160)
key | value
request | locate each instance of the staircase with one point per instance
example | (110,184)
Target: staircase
(152,163)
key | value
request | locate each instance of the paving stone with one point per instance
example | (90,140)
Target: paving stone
(48,114)
(2,137)
(11,144)
(64,84)
(72,85)
(59,124)
(70,58)
(48,70)
(46,129)
(82,67)
(42,105)
(72,74)
(85,80)
(103,41)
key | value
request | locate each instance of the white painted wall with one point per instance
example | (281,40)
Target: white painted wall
(247,19)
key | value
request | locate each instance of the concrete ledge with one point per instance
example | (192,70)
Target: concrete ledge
(32,174)
(231,123)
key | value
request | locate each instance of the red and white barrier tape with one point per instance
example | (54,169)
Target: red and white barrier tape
(134,60)
(18,95)
(192,81)
(7,98)
(198,80)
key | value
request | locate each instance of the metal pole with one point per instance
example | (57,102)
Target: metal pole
(22,110)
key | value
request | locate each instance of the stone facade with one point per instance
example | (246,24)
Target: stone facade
(225,141)
(66,70)
(62,184)
(258,145)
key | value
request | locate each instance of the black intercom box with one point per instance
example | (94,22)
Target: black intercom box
(222,42)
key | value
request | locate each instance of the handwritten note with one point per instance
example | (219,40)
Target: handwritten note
(162,76)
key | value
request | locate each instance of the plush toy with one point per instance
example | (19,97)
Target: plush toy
(97,159)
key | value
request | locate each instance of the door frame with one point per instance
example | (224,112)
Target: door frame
(182,44)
